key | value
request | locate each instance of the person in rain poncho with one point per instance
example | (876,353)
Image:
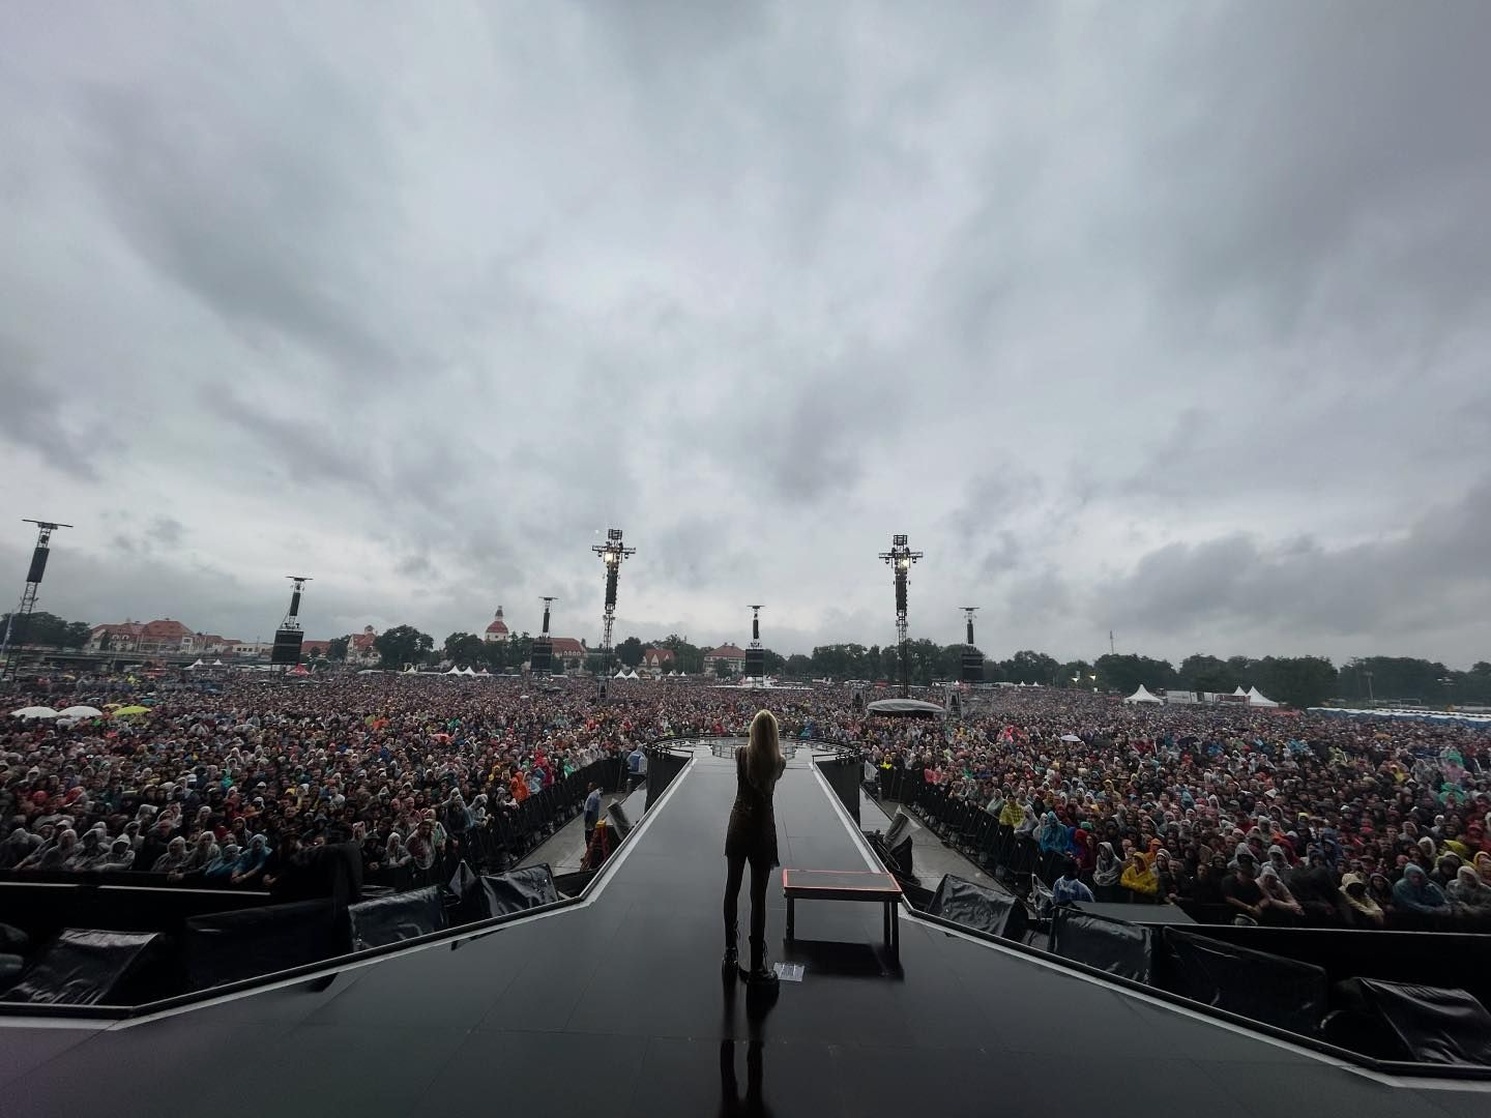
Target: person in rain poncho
(1414,892)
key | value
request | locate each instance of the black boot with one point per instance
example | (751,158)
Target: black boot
(761,973)
(732,948)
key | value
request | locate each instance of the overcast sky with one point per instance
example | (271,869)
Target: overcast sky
(1169,319)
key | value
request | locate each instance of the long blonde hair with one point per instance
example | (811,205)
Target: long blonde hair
(764,760)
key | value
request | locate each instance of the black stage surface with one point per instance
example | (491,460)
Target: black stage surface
(616,1007)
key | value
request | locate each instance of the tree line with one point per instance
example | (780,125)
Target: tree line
(1297,680)
(46,630)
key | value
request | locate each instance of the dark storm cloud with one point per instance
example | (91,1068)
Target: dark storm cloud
(1335,154)
(33,414)
(253,202)
(1170,320)
(695,553)
(1430,575)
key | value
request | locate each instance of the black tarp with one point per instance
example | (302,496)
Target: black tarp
(843,775)
(1457,960)
(230,946)
(662,766)
(395,918)
(621,823)
(1114,946)
(89,967)
(977,906)
(517,891)
(465,884)
(1401,1021)
(1252,984)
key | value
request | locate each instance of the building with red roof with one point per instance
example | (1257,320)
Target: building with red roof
(166,635)
(658,660)
(734,658)
(498,631)
(121,637)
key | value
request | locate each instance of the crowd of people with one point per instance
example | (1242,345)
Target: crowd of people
(1262,815)
(1252,816)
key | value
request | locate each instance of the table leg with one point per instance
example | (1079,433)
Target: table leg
(791,917)
(885,920)
(895,931)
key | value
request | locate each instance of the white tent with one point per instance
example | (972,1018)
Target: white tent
(217,663)
(469,670)
(1256,698)
(199,664)
(633,674)
(1143,695)
(620,674)
(35,712)
(1240,690)
(454,671)
(484,672)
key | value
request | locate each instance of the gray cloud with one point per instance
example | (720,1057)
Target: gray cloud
(1167,321)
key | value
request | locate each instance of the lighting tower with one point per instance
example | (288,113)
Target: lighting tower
(17,623)
(288,637)
(973,659)
(755,660)
(542,660)
(900,557)
(612,554)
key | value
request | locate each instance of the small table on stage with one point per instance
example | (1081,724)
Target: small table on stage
(845,885)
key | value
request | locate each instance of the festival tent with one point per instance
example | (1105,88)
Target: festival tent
(217,663)
(453,671)
(620,674)
(1240,691)
(904,708)
(199,664)
(468,670)
(1256,698)
(1143,695)
(34,712)
(81,712)
(483,673)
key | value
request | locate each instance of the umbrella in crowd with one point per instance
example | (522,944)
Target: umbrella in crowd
(130,712)
(34,712)
(81,712)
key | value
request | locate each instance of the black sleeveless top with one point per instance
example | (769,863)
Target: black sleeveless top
(753,823)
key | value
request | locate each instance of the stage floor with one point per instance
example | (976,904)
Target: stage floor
(617,1007)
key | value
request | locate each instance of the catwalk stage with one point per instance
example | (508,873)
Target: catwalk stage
(616,1007)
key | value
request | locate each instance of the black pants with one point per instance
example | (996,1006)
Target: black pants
(760,873)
